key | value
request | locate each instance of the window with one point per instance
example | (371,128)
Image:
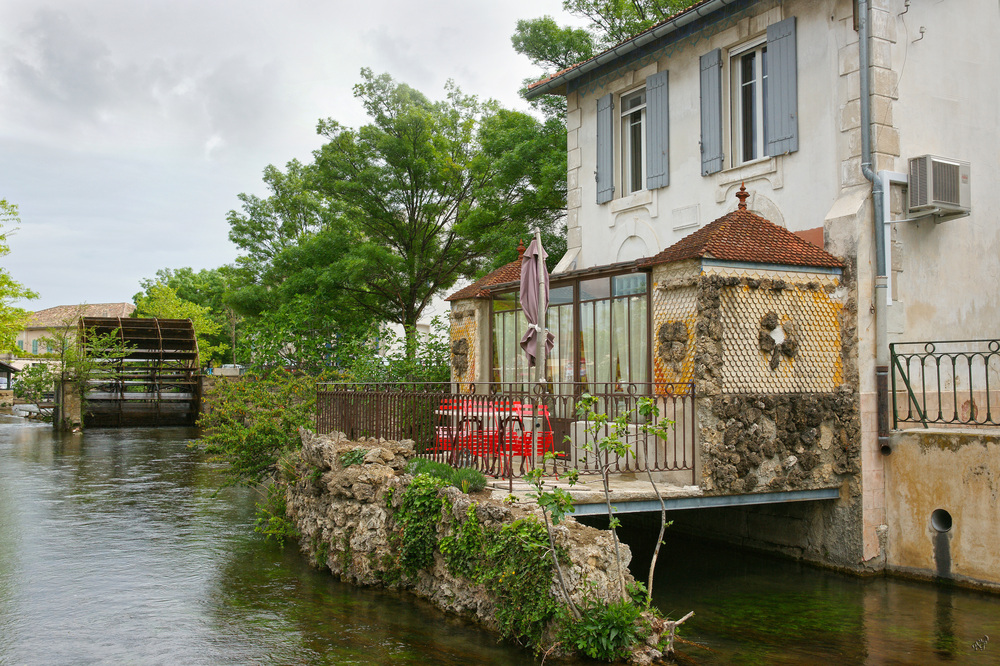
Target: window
(748,71)
(20,345)
(601,329)
(34,346)
(633,138)
(762,117)
(640,131)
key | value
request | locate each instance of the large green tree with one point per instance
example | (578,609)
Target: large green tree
(161,301)
(12,318)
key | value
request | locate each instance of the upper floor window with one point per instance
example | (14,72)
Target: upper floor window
(640,132)
(762,117)
(633,140)
(748,72)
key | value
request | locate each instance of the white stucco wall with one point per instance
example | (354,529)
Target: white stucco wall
(949,105)
(794,190)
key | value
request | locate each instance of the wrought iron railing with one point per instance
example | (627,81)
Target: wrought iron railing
(505,430)
(946,382)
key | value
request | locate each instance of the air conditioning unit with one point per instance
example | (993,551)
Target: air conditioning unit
(938,186)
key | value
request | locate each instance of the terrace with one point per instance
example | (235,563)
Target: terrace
(505,430)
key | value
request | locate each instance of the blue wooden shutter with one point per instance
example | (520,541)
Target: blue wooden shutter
(657,132)
(711,112)
(605,150)
(781,113)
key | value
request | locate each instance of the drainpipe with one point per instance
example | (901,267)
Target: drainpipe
(881,271)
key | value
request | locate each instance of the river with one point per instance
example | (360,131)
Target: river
(116,547)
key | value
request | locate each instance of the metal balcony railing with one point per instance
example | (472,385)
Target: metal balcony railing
(505,430)
(952,382)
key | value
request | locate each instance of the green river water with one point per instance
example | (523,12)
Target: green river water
(115,548)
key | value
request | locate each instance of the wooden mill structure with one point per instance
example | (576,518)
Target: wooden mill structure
(147,377)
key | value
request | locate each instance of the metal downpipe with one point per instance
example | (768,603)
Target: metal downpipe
(881,270)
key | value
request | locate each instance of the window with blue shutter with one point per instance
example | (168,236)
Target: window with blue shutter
(781,93)
(657,132)
(711,112)
(605,149)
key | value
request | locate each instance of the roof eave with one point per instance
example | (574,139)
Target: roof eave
(558,83)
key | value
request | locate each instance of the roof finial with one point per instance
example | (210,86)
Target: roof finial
(520,248)
(742,195)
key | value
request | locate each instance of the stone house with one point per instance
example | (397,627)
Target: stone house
(42,322)
(825,111)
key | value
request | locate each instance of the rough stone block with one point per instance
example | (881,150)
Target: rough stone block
(848,58)
(850,115)
(574,198)
(572,139)
(572,179)
(884,82)
(574,237)
(574,158)
(886,140)
(853,83)
(850,172)
(883,25)
(573,120)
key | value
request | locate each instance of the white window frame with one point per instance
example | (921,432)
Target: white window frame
(736,88)
(625,154)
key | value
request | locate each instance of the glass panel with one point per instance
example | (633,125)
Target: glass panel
(560,295)
(627,285)
(763,94)
(633,101)
(748,105)
(635,152)
(505,302)
(619,366)
(637,339)
(591,289)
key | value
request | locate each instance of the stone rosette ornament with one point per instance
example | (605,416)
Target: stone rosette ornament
(460,356)
(777,338)
(672,338)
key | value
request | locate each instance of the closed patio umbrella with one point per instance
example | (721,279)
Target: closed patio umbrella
(534,301)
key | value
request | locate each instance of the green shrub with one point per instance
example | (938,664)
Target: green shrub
(605,631)
(468,479)
(353,457)
(272,518)
(419,513)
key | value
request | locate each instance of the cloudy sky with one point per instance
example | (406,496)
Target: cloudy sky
(128,127)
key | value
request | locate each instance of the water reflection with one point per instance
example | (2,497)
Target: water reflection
(115,548)
(752,608)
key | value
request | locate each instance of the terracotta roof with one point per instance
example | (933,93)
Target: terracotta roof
(692,8)
(61,315)
(743,236)
(480,288)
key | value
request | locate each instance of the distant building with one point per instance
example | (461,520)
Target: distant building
(43,322)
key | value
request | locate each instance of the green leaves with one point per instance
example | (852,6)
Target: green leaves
(12,319)
(419,514)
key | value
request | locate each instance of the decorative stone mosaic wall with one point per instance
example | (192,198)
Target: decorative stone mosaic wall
(465,352)
(675,310)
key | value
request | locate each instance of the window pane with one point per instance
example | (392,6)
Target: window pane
(560,295)
(638,339)
(763,86)
(598,288)
(748,105)
(627,285)
(505,302)
(635,152)
(619,340)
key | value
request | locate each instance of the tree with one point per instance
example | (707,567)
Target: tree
(161,301)
(419,196)
(12,318)
(554,48)
(207,288)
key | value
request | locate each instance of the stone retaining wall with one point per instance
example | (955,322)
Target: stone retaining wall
(346,517)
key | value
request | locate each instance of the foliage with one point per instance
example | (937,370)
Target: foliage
(12,319)
(381,357)
(419,513)
(34,381)
(251,421)
(517,571)
(272,518)
(463,548)
(466,479)
(353,457)
(605,632)
(162,302)
(550,46)
(207,288)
